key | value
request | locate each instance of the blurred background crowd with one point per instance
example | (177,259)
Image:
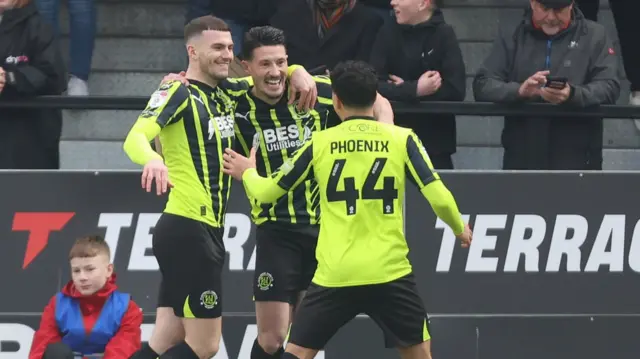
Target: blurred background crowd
(423,50)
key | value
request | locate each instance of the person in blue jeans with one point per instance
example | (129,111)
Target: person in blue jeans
(82,33)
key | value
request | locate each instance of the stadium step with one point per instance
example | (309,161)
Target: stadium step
(139,41)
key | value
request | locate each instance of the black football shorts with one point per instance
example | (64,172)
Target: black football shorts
(285,261)
(395,307)
(191,256)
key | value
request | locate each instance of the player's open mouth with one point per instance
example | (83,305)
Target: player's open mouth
(273,83)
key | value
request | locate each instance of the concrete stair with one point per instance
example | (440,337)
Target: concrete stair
(141,41)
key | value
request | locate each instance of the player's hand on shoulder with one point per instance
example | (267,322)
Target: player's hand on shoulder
(156,170)
(303,87)
(382,110)
(236,164)
(466,236)
(182,77)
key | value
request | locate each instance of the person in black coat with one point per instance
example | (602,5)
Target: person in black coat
(418,58)
(30,65)
(321,33)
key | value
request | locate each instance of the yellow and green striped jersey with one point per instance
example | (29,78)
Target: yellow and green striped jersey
(277,131)
(195,126)
(361,167)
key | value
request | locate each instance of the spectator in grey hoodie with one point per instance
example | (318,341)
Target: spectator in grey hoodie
(553,39)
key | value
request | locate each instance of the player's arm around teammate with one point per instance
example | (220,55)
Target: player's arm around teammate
(193,126)
(401,314)
(302,86)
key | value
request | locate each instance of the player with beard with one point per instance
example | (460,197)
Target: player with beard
(360,167)
(195,126)
(287,229)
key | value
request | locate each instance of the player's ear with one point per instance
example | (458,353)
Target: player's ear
(245,66)
(191,51)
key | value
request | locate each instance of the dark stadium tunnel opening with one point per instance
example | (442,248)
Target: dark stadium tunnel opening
(9,346)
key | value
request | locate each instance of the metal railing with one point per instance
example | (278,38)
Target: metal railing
(459,108)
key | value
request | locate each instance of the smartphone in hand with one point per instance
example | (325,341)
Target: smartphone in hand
(556,82)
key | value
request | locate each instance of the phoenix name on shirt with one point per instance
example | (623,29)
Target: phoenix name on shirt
(349,146)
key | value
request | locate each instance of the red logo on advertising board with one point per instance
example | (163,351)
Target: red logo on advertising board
(39,225)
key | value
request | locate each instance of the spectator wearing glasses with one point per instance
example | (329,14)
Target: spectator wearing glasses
(552,55)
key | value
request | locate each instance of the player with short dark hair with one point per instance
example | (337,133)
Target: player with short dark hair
(287,229)
(361,167)
(195,125)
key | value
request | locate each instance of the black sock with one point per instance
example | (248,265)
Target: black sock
(181,350)
(288,356)
(258,353)
(145,353)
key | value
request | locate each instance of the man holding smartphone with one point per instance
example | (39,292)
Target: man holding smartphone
(551,55)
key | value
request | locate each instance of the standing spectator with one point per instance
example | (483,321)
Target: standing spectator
(625,14)
(30,65)
(82,34)
(419,58)
(552,39)
(321,33)
(239,15)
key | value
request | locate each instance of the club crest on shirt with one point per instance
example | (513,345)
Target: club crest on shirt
(209,299)
(265,281)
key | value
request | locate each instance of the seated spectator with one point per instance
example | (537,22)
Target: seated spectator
(82,35)
(553,39)
(30,65)
(625,15)
(321,33)
(419,58)
(89,316)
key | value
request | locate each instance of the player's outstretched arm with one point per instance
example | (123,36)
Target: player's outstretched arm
(421,172)
(268,189)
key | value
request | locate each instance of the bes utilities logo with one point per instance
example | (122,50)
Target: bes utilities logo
(285,137)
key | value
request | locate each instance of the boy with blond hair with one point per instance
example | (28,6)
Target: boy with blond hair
(89,315)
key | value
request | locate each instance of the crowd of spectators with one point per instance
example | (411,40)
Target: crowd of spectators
(409,42)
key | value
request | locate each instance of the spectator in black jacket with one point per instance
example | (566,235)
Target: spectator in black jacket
(551,39)
(419,59)
(30,65)
(321,33)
